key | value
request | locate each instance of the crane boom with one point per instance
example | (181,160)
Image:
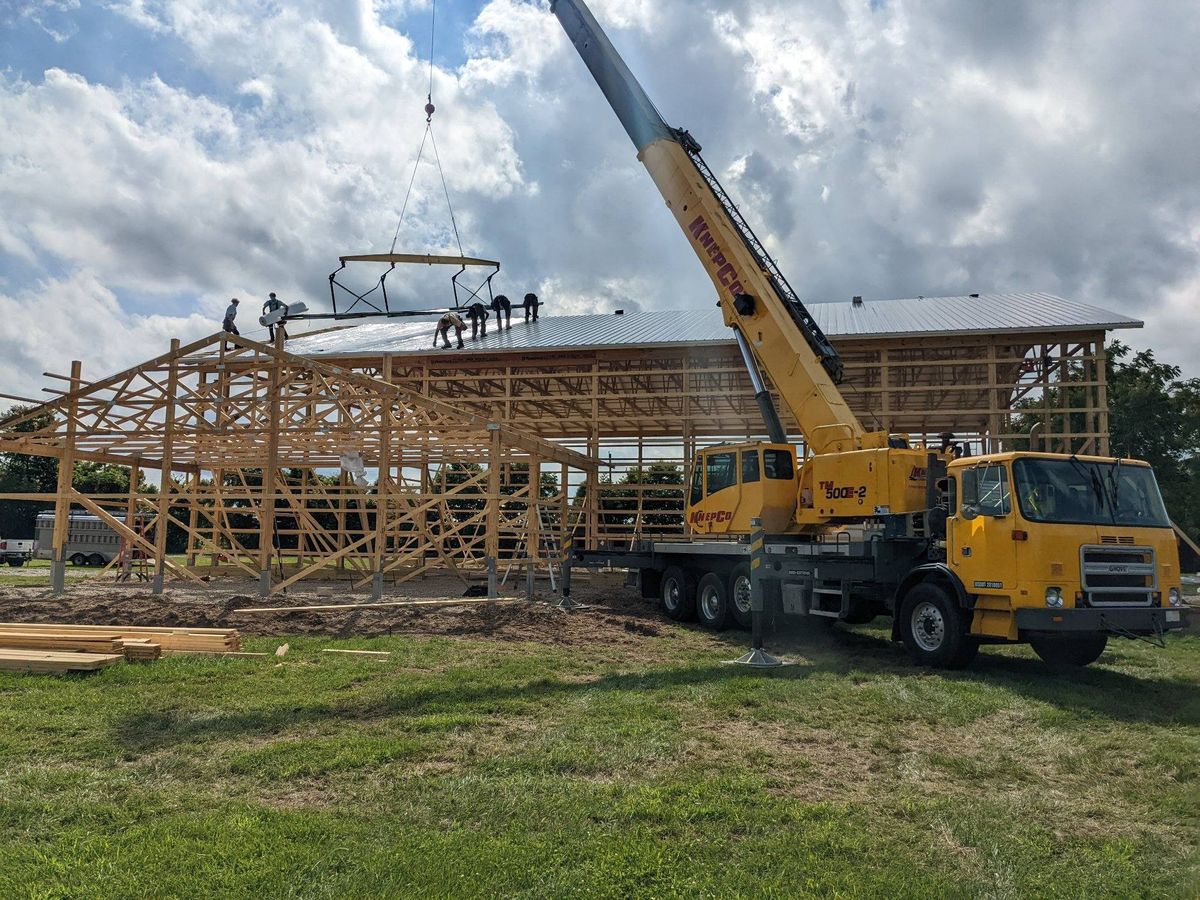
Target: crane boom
(755,298)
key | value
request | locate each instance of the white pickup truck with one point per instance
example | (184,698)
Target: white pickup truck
(14,552)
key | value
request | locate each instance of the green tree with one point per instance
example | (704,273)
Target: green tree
(22,474)
(1154,415)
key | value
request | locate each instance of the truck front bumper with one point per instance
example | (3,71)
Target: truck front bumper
(1116,620)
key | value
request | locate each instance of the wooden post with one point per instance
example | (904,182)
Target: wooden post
(1102,395)
(533,531)
(135,475)
(164,488)
(383,486)
(492,538)
(193,516)
(266,507)
(62,502)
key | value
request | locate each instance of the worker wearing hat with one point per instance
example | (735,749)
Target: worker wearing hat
(230,315)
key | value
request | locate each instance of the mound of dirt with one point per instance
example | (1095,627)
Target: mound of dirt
(614,614)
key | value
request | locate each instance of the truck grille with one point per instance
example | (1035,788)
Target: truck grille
(1112,577)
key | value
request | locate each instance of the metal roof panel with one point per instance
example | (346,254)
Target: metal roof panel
(920,316)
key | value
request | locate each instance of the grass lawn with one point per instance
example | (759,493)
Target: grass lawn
(469,766)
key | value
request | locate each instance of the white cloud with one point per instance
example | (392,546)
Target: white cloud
(45,326)
(881,149)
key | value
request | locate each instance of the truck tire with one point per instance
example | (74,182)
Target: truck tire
(934,629)
(96,560)
(16,563)
(739,595)
(1077,650)
(678,595)
(78,559)
(712,602)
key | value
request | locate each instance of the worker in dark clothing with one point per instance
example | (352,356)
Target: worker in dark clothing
(445,323)
(531,305)
(478,315)
(273,303)
(230,315)
(501,304)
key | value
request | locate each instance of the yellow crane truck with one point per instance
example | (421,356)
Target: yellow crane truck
(1060,551)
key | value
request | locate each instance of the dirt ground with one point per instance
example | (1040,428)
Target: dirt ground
(614,614)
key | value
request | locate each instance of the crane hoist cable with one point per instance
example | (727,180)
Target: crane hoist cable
(428,136)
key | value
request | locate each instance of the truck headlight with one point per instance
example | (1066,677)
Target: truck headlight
(1054,597)
(1174,597)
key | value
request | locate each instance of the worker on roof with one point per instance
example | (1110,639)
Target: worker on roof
(230,315)
(478,315)
(531,304)
(445,323)
(500,304)
(274,303)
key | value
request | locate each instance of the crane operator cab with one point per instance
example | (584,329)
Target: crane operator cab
(732,483)
(1044,543)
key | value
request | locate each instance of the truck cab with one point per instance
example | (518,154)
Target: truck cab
(1046,545)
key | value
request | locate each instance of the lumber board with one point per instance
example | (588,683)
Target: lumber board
(200,639)
(42,641)
(44,661)
(386,603)
(123,629)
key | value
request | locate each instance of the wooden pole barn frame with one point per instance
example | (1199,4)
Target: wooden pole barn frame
(250,442)
(498,455)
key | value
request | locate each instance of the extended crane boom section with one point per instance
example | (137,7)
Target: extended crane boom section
(754,296)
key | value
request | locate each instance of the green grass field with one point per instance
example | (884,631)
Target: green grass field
(640,766)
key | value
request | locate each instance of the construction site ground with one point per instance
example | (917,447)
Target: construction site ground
(515,749)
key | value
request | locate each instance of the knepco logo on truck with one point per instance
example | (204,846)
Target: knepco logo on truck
(699,517)
(917,474)
(726,273)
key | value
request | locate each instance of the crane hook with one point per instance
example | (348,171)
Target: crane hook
(429,108)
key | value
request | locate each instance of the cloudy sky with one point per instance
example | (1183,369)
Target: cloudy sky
(160,156)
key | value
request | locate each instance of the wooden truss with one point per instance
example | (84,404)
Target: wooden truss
(285,468)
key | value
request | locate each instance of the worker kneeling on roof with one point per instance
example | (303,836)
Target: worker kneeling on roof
(531,304)
(501,304)
(478,315)
(445,323)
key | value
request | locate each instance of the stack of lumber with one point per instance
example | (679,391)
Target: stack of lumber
(55,661)
(62,648)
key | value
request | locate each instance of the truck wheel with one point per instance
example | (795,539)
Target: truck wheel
(678,595)
(16,563)
(79,560)
(739,595)
(712,602)
(95,560)
(934,629)
(1070,651)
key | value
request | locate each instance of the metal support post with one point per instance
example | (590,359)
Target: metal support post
(757,658)
(565,602)
(491,573)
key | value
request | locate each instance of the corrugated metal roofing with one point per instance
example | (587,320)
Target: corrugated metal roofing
(923,316)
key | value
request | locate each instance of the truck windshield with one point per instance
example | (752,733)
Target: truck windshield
(1081,491)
